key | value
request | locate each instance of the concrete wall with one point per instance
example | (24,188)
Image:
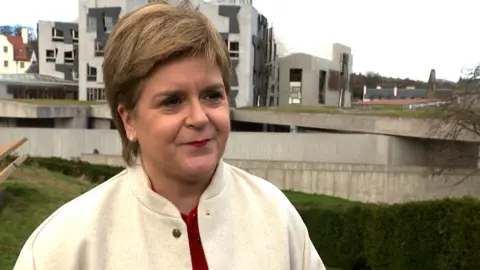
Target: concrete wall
(28,110)
(397,126)
(345,148)
(353,166)
(295,147)
(63,116)
(17,110)
(367,183)
(357,182)
(405,127)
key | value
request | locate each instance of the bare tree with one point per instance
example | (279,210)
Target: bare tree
(459,124)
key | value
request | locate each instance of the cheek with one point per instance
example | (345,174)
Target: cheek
(159,129)
(222,122)
(165,128)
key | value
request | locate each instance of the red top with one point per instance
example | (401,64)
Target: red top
(199,262)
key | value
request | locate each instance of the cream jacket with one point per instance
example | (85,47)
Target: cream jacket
(245,223)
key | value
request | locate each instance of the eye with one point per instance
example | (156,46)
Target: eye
(213,96)
(172,101)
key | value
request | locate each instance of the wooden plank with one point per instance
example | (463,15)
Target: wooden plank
(8,148)
(5,173)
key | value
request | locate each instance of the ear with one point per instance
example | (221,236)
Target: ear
(128,122)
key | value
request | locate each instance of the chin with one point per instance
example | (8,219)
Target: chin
(197,166)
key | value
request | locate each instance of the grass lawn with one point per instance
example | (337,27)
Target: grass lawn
(299,198)
(32,194)
(387,111)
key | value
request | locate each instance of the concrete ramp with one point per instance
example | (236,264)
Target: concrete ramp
(425,128)
(5,150)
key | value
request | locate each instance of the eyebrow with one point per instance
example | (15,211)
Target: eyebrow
(168,93)
(213,87)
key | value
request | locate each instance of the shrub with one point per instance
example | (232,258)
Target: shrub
(442,234)
(93,172)
(338,233)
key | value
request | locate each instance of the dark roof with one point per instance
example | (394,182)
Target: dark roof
(411,93)
(33,68)
(404,93)
(35,79)
(398,101)
(32,47)
(30,52)
(379,94)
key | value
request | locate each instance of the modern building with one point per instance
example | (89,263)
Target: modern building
(15,58)
(58,49)
(409,98)
(396,93)
(309,80)
(244,29)
(36,86)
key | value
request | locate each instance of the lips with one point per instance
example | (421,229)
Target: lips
(201,143)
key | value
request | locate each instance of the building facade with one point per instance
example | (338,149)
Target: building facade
(309,80)
(252,50)
(36,86)
(245,32)
(396,93)
(14,56)
(58,49)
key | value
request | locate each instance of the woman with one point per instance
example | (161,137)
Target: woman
(177,205)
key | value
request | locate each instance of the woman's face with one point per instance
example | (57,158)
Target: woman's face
(182,120)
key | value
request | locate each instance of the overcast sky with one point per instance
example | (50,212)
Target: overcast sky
(395,38)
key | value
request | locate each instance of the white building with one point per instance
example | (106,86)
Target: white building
(310,80)
(58,49)
(241,25)
(14,54)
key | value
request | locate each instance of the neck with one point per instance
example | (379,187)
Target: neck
(183,192)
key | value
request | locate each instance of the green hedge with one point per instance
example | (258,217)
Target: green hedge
(337,233)
(93,172)
(441,234)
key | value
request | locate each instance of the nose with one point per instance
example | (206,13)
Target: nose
(197,117)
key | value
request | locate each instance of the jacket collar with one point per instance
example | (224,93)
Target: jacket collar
(142,190)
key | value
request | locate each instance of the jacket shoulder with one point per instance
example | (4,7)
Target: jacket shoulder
(65,230)
(262,191)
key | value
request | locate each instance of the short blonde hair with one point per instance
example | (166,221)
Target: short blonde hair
(147,38)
